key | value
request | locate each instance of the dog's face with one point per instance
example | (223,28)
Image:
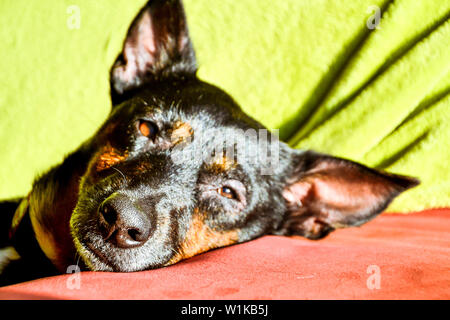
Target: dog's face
(162,185)
(178,169)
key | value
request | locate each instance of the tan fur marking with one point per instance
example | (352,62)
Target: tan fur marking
(180,132)
(200,238)
(143,167)
(221,164)
(109,157)
(46,241)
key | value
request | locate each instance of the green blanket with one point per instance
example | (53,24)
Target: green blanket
(330,75)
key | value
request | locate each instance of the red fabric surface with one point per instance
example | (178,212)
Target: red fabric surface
(412,253)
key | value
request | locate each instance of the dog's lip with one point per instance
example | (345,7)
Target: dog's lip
(98,254)
(92,256)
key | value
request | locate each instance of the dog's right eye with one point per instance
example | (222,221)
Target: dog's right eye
(147,128)
(227,192)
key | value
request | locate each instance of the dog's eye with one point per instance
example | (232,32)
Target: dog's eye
(147,128)
(227,192)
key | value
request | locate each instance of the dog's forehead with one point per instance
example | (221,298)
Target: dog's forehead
(192,104)
(189,98)
(199,121)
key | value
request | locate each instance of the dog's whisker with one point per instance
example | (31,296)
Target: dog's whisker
(78,260)
(125,178)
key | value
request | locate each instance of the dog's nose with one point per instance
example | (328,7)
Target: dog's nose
(122,223)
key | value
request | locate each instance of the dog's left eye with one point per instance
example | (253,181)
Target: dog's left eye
(147,128)
(227,192)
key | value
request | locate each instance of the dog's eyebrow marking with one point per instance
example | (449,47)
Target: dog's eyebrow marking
(181,131)
(142,167)
(109,157)
(221,164)
(201,238)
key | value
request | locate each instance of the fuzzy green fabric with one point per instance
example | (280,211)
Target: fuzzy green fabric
(316,70)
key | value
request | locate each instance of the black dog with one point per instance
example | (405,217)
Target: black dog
(138,195)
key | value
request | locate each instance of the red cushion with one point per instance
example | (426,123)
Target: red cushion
(411,251)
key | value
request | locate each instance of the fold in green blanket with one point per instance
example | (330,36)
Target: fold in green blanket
(368,80)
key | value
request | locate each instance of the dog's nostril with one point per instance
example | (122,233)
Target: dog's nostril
(109,214)
(130,237)
(134,234)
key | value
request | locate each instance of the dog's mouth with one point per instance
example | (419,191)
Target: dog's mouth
(93,258)
(104,257)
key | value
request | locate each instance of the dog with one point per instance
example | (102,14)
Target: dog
(129,198)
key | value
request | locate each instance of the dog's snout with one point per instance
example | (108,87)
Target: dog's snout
(122,223)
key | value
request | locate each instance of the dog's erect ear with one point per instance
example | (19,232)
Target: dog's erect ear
(157,46)
(324,193)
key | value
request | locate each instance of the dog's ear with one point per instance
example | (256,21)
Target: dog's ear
(157,46)
(324,193)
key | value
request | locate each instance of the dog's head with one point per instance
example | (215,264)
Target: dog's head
(178,169)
